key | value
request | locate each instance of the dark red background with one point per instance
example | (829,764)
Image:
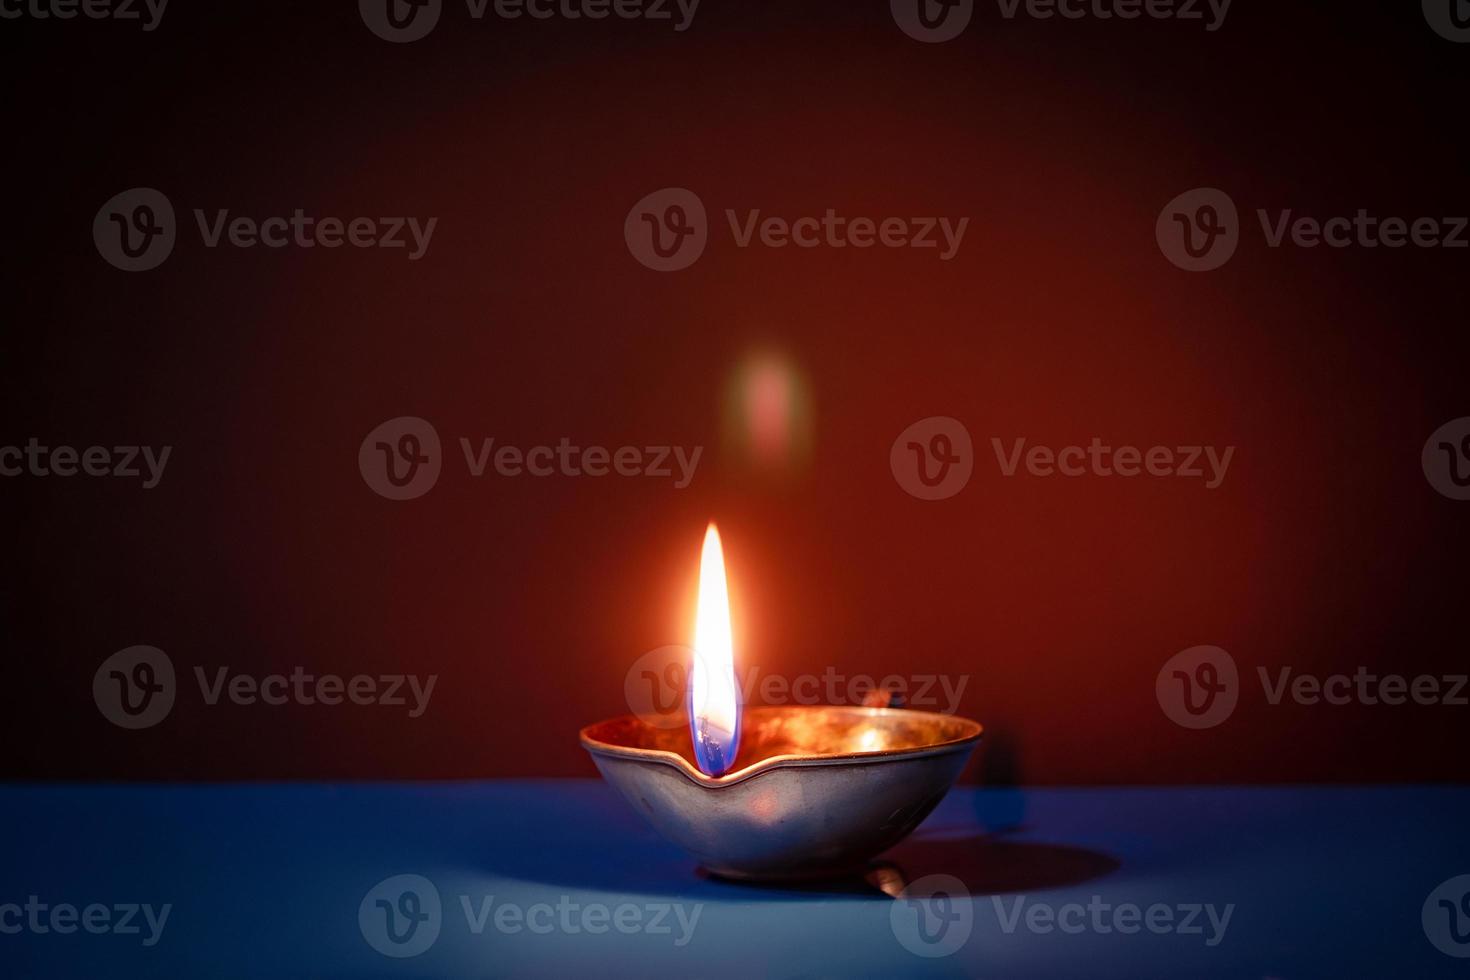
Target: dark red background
(528,321)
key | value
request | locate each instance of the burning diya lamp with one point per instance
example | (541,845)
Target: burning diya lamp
(799,791)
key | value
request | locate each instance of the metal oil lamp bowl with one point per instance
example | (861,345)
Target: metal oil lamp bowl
(815,791)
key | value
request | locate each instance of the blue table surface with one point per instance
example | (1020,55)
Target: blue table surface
(268,880)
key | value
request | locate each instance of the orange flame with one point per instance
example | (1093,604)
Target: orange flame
(714,704)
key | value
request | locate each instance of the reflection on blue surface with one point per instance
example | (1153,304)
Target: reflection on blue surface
(560,878)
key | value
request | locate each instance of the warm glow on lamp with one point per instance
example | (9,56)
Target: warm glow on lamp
(819,789)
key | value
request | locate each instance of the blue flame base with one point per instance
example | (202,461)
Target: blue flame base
(714,747)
